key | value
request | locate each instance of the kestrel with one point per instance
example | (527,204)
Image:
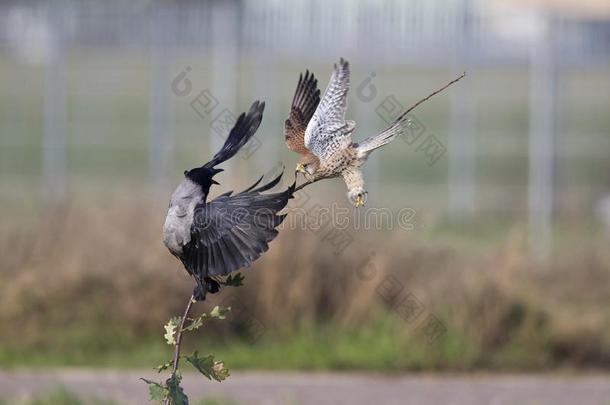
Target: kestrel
(317,129)
(214,238)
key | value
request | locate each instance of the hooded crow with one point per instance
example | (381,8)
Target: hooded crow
(214,238)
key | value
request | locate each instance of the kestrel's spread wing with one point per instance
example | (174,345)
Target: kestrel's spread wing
(328,131)
(304,103)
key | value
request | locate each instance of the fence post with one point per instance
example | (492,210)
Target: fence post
(461,137)
(161,109)
(543,116)
(54,111)
(225,67)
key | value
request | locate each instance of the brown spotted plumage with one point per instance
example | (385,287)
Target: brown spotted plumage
(304,103)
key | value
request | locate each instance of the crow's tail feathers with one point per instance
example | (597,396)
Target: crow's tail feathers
(244,128)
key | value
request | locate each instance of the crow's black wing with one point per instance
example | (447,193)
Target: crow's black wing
(232,231)
(244,128)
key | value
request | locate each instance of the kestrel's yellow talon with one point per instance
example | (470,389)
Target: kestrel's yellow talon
(300,168)
(359,201)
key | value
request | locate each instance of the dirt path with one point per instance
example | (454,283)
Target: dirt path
(325,388)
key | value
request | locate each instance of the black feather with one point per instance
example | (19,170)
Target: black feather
(232,231)
(242,131)
(240,134)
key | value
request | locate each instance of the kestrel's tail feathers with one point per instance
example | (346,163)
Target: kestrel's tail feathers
(371,143)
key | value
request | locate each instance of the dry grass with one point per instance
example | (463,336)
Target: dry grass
(105,267)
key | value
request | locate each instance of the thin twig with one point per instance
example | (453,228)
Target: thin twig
(179,341)
(429,97)
(305,185)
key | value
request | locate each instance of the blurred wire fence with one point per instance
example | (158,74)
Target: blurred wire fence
(89,91)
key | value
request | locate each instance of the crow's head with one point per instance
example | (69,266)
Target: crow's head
(203,176)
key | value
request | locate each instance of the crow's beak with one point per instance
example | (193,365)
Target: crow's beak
(215,182)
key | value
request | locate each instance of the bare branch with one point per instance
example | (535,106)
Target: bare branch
(428,97)
(179,341)
(305,185)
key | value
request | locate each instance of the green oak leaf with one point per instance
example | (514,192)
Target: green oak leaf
(156,391)
(164,366)
(175,392)
(170,330)
(195,324)
(212,369)
(218,312)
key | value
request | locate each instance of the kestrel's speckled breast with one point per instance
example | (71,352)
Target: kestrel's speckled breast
(337,162)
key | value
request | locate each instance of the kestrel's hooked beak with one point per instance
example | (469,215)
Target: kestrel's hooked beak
(300,168)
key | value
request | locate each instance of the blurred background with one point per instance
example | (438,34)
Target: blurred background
(488,222)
